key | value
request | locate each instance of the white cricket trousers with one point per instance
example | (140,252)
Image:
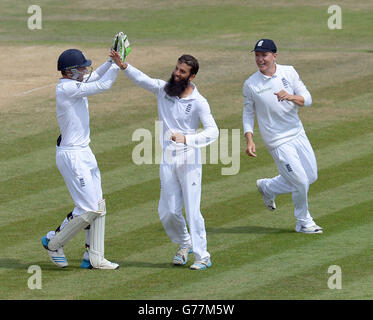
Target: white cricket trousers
(78,167)
(181,183)
(297,166)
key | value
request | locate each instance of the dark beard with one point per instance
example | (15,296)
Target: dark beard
(176,88)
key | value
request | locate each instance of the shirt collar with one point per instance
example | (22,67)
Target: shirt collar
(194,93)
(64,79)
(275,75)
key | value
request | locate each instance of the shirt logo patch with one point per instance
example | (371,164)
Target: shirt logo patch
(285,82)
(168,98)
(188,107)
(78,85)
(289,168)
(263,90)
(82,183)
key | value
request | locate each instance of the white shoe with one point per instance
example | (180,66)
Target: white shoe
(310,230)
(268,202)
(58,256)
(181,256)
(201,265)
(107,265)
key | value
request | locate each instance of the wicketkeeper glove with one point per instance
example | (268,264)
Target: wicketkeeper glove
(114,45)
(123,46)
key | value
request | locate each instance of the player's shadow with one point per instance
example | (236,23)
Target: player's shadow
(140,264)
(7,263)
(247,229)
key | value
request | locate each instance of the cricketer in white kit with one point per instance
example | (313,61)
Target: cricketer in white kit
(274,94)
(76,162)
(180,109)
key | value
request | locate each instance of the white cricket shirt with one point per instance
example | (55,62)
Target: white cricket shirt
(72,104)
(179,114)
(278,120)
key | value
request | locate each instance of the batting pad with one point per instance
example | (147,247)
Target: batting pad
(97,237)
(71,229)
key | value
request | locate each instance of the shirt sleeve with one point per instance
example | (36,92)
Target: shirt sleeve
(98,73)
(248,114)
(76,89)
(210,130)
(300,89)
(142,80)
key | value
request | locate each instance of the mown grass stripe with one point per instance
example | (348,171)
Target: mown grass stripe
(346,244)
(270,257)
(279,257)
(134,194)
(221,258)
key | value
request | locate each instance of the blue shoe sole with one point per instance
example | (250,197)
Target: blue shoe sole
(86,264)
(44,242)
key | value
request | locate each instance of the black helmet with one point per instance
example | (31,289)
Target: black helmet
(72,58)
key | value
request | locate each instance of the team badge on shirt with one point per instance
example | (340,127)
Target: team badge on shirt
(285,82)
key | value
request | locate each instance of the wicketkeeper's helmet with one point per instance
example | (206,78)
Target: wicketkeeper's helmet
(72,58)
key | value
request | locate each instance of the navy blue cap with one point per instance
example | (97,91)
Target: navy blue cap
(265,45)
(72,58)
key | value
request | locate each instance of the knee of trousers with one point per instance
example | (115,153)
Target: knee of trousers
(302,186)
(166,215)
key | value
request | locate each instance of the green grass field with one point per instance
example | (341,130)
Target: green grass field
(255,254)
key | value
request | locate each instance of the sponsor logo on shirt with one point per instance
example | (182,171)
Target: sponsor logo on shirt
(78,85)
(263,90)
(169,98)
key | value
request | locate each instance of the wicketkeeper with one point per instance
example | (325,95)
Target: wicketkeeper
(76,162)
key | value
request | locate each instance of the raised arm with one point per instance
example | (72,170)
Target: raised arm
(75,89)
(98,73)
(138,77)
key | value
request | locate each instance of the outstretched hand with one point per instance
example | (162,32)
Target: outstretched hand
(117,59)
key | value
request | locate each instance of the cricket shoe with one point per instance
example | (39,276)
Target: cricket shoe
(201,265)
(310,230)
(86,264)
(181,256)
(107,265)
(268,202)
(57,256)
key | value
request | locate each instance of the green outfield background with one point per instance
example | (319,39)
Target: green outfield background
(256,254)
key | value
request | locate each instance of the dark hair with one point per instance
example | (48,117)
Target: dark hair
(191,62)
